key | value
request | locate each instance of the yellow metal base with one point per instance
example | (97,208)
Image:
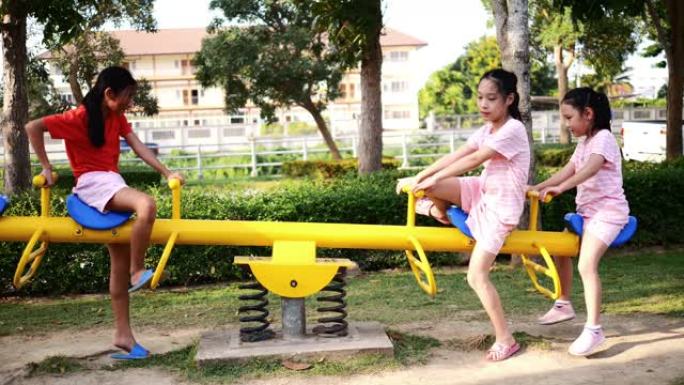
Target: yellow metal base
(294,271)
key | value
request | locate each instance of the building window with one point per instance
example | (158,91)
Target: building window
(163,135)
(399,86)
(190,97)
(395,86)
(397,114)
(347,91)
(199,133)
(66,98)
(234,131)
(186,67)
(398,56)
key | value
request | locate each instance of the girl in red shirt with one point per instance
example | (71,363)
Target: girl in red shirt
(91,135)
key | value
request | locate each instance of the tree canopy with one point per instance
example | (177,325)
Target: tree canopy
(451,90)
(270,55)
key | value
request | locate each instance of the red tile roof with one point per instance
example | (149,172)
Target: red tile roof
(189,41)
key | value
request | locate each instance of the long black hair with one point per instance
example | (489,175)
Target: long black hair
(506,83)
(585,97)
(115,78)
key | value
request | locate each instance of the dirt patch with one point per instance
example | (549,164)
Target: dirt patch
(640,349)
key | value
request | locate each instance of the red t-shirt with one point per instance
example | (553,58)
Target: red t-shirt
(72,126)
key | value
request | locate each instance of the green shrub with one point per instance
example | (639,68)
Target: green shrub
(552,155)
(136,176)
(329,168)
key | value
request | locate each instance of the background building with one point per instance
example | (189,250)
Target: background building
(190,114)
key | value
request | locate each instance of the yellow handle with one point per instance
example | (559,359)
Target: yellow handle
(535,195)
(175,186)
(40,180)
(550,271)
(429,285)
(164,258)
(27,256)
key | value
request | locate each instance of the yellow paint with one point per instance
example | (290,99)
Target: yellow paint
(294,255)
(294,271)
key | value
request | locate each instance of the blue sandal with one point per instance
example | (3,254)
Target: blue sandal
(136,353)
(144,280)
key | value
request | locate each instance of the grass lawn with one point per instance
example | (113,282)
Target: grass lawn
(649,282)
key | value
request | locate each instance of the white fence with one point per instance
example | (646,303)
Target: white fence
(218,148)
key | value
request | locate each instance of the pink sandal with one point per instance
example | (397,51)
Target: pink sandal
(500,352)
(424,207)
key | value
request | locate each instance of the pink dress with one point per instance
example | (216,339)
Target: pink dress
(600,199)
(494,201)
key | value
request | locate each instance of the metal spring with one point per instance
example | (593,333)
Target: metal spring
(255,318)
(334,325)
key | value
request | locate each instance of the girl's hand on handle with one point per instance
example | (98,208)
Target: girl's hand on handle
(425,185)
(47,174)
(401,183)
(553,191)
(176,175)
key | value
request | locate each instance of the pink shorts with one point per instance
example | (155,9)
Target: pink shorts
(96,188)
(606,232)
(488,231)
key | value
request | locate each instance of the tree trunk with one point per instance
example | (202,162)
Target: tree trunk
(73,79)
(370,130)
(15,108)
(562,71)
(675,69)
(323,128)
(513,36)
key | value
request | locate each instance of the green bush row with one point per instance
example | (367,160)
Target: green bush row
(652,191)
(329,168)
(552,155)
(139,176)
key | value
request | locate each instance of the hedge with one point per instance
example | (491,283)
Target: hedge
(654,193)
(329,168)
(140,176)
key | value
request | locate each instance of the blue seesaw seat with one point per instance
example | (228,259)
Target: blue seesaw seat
(3,203)
(575,223)
(90,218)
(458,217)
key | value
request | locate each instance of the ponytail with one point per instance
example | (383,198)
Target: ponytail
(115,78)
(585,97)
(507,83)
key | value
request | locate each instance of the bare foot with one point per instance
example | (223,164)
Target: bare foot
(439,215)
(124,343)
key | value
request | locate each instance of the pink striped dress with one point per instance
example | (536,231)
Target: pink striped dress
(600,199)
(495,199)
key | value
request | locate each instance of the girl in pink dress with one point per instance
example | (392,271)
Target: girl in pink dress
(595,169)
(494,200)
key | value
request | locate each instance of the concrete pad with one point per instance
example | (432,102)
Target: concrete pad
(225,346)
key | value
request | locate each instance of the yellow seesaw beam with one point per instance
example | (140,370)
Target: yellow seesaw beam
(252,233)
(296,242)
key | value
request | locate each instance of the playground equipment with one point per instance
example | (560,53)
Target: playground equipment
(293,271)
